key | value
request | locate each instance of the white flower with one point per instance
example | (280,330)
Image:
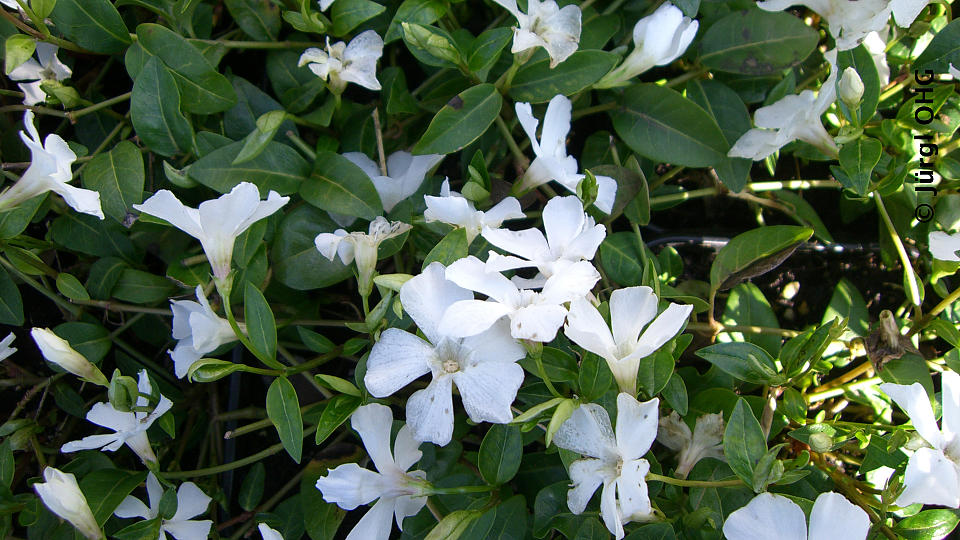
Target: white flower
(61,494)
(191,502)
(545,25)
(535,316)
(453,209)
(933,473)
(46,67)
(775,516)
(944,246)
(324,4)
(199,331)
(342,63)
(12,4)
(401,493)
(361,247)
(850,87)
(405,174)
(793,117)
(658,39)
(58,351)
(616,461)
(631,309)
(265,531)
(877,47)
(705,441)
(572,236)
(483,366)
(552,161)
(218,222)
(851,22)
(49,170)
(5,349)
(131,427)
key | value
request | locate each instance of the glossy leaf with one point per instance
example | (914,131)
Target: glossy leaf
(118,176)
(94,25)
(743,442)
(755,252)
(337,185)
(283,409)
(500,453)
(756,42)
(461,121)
(155,111)
(536,82)
(261,326)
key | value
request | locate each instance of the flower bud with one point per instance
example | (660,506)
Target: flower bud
(851,88)
(62,495)
(123,392)
(56,350)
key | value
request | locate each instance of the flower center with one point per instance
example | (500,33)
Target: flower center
(451,366)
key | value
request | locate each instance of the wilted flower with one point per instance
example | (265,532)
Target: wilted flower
(944,246)
(552,161)
(361,247)
(572,236)
(342,63)
(631,309)
(545,25)
(191,502)
(768,515)
(61,494)
(453,209)
(658,39)
(5,349)
(483,367)
(58,351)
(705,441)
(850,87)
(616,461)
(49,170)
(933,473)
(793,117)
(131,427)
(405,174)
(400,493)
(265,531)
(216,223)
(46,67)
(535,316)
(199,331)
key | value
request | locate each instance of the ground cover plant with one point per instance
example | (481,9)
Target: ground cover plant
(479,269)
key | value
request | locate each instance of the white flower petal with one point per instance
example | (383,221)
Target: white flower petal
(537,322)
(528,122)
(609,511)
(586,327)
(488,389)
(662,329)
(553,142)
(528,243)
(430,412)
(944,246)
(103,414)
(636,425)
(427,296)
(106,442)
(395,361)
(930,478)
(631,309)
(833,516)
(191,502)
(188,530)
(950,417)
(914,401)
(376,523)
(471,317)
(767,516)
(349,486)
(573,281)
(632,489)
(406,449)
(373,423)
(471,273)
(586,475)
(265,531)
(508,208)
(133,507)
(588,432)
(606,195)
(166,206)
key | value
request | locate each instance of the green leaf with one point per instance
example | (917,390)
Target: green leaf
(653,531)
(929,524)
(295,260)
(104,274)
(858,159)
(70,286)
(336,383)
(119,177)
(320,518)
(283,409)
(17,49)
(348,14)
(139,287)
(338,409)
(84,233)
(743,360)
(731,115)
(595,377)
(337,185)
(535,82)
(453,525)
(414,11)
(756,42)
(261,326)
(747,306)
(506,521)
(461,121)
(251,491)
(862,61)
(279,168)
(42,8)
(486,49)
(204,89)
(655,372)
(89,339)
(432,46)
(847,303)
(452,248)
(661,124)
(755,252)
(804,213)
(252,103)
(620,257)
(207,370)
(7,464)
(94,25)
(743,442)
(943,50)
(500,453)
(259,19)
(155,111)
(105,489)
(675,394)
(256,142)
(148,529)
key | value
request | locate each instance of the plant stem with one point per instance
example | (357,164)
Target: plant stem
(904,258)
(520,159)
(230,44)
(62,43)
(63,304)
(242,462)
(833,392)
(461,489)
(925,320)
(651,477)
(608,106)
(119,306)
(703,327)
(73,115)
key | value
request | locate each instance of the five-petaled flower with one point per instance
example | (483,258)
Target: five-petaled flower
(216,223)
(198,329)
(342,63)
(933,472)
(50,163)
(360,247)
(46,67)
(400,493)
(454,209)
(191,502)
(631,309)
(61,494)
(775,516)
(130,427)
(483,366)
(615,459)
(545,25)
(552,161)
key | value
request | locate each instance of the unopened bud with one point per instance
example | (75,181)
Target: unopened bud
(851,88)
(58,351)
(122,392)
